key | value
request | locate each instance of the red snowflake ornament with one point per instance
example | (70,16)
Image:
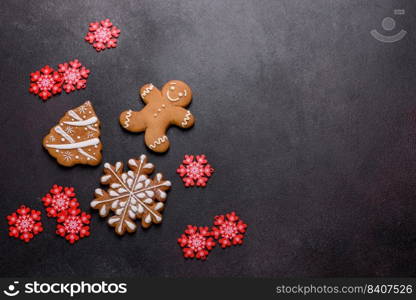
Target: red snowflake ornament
(59,199)
(102,35)
(196,242)
(24,223)
(195,170)
(73,224)
(229,229)
(45,83)
(74,75)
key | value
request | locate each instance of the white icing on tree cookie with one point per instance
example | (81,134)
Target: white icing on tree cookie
(77,135)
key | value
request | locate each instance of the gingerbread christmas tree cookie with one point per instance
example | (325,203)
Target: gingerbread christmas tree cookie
(75,140)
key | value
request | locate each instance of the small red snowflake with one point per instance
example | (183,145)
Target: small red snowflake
(229,229)
(196,242)
(102,35)
(73,224)
(45,83)
(195,171)
(74,75)
(24,223)
(59,199)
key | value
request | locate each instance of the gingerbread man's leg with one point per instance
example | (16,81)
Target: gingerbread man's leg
(133,121)
(182,118)
(156,139)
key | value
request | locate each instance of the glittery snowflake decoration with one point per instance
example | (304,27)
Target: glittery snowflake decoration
(228,230)
(73,224)
(74,75)
(102,35)
(24,223)
(59,199)
(131,195)
(45,83)
(195,170)
(196,242)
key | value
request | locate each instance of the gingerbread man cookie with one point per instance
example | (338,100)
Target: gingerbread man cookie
(163,109)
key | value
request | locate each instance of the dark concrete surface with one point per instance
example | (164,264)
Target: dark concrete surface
(309,122)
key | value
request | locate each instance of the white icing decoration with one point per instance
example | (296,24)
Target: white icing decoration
(82,122)
(127,120)
(147,90)
(103,210)
(78,118)
(105,178)
(99,191)
(186,119)
(74,145)
(82,109)
(132,162)
(113,220)
(69,130)
(158,206)
(170,98)
(67,156)
(158,142)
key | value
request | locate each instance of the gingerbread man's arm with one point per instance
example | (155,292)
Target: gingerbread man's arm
(149,93)
(133,121)
(182,118)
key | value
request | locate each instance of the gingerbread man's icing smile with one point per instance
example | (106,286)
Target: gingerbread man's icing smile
(179,94)
(163,108)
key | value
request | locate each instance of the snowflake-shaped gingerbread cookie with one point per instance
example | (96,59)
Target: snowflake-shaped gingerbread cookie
(195,170)
(196,242)
(131,195)
(24,223)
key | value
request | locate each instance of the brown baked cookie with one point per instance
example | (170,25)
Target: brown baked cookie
(163,109)
(131,195)
(75,140)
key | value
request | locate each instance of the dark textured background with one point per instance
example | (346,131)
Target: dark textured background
(309,122)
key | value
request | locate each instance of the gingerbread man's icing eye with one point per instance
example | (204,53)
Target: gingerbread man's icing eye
(172,88)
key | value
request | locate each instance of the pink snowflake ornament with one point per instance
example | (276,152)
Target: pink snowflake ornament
(24,223)
(45,83)
(195,170)
(229,230)
(103,35)
(72,224)
(196,242)
(74,75)
(59,199)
